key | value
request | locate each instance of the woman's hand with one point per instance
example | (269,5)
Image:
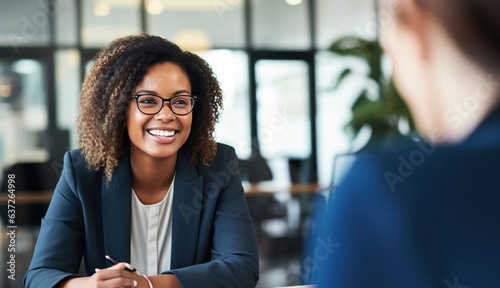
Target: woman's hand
(112,277)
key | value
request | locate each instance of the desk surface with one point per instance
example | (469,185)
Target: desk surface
(43,197)
(256,189)
(28,197)
(304,286)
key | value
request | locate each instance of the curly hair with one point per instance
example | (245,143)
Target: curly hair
(106,91)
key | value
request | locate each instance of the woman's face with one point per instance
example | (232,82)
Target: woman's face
(163,134)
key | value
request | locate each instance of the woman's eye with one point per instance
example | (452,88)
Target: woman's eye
(180,101)
(148,100)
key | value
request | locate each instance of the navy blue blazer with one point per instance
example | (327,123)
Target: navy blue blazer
(213,240)
(421,216)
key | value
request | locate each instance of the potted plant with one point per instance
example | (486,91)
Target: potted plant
(383,114)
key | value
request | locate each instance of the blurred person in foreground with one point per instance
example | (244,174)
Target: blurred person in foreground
(427,215)
(149,185)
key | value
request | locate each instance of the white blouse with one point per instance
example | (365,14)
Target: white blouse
(151,239)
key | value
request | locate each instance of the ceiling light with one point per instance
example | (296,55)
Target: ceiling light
(154,7)
(192,40)
(293,2)
(25,66)
(102,9)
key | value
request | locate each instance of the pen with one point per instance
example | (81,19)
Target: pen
(128,267)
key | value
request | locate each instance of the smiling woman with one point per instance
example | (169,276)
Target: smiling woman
(133,66)
(148,162)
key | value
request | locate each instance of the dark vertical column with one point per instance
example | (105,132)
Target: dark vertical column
(312,23)
(313,176)
(50,80)
(253,103)
(251,74)
(248,23)
(144,22)
(79,25)
(312,92)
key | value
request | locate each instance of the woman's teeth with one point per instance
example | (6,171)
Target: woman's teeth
(161,133)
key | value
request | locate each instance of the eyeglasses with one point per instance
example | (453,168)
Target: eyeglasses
(152,104)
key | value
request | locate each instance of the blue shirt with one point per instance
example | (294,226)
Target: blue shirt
(421,216)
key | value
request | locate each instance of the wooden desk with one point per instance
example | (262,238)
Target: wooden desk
(28,197)
(43,197)
(303,286)
(259,189)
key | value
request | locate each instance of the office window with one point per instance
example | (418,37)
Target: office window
(24,23)
(67,91)
(105,20)
(231,70)
(334,110)
(65,22)
(280,24)
(283,120)
(23,111)
(335,19)
(197,24)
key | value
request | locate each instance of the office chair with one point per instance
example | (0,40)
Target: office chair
(33,178)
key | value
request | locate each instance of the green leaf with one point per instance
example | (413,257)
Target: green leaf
(342,76)
(362,98)
(354,46)
(368,112)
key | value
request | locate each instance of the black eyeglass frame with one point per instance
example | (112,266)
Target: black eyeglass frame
(163,100)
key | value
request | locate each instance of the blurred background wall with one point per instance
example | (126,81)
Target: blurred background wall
(269,55)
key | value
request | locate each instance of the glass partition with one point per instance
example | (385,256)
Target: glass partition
(65,22)
(67,91)
(280,24)
(231,70)
(198,24)
(334,110)
(24,23)
(283,121)
(105,20)
(335,19)
(23,111)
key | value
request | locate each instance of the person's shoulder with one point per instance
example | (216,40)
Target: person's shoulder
(74,157)
(421,167)
(75,160)
(224,148)
(380,170)
(75,153)
(224,153)
(225,157)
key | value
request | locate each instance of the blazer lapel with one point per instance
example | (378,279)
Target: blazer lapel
(187,204)
(116,211)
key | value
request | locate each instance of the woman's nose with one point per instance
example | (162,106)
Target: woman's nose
(165,112)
